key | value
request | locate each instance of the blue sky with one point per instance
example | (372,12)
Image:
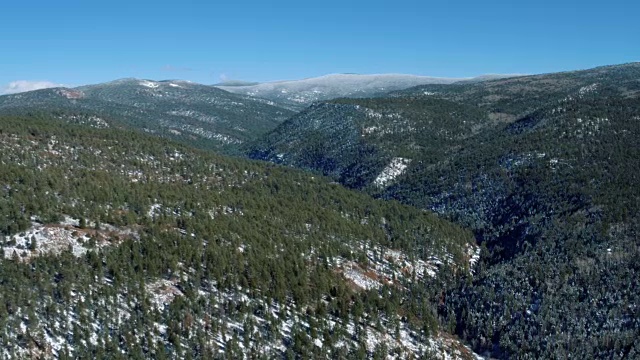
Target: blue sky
(81,42)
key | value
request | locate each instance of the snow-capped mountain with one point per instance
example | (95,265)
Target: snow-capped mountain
(298,93)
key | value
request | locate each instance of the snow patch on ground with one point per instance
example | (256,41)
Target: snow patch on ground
(53,239)
(154,210)
(474,256)
(225,139)
(360,278)
(207,118)
(71,94)
(224,210)
(590,126)
(41,239)
(149,84)
(395,168)
(384,266)
(163,292)
(587,89)
(369,130)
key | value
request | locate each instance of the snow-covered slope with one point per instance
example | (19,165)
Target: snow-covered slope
(301,92)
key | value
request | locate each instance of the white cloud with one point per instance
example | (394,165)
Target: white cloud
(26,85)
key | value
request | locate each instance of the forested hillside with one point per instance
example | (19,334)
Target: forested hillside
(512,98)
(354,140)
(191,113)
(554,198)
(542,168)
(123,245)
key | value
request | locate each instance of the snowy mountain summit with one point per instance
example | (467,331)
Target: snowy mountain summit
(306,91)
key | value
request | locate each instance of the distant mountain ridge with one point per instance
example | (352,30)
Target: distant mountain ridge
(513,97)
(299,93)
(218,117)
(198,114)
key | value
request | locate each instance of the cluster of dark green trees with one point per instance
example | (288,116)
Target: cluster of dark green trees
(562,230)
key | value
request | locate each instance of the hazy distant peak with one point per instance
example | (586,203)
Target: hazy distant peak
(489,77)
(236,83)
(363,77)
(298,93)
(123,80)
